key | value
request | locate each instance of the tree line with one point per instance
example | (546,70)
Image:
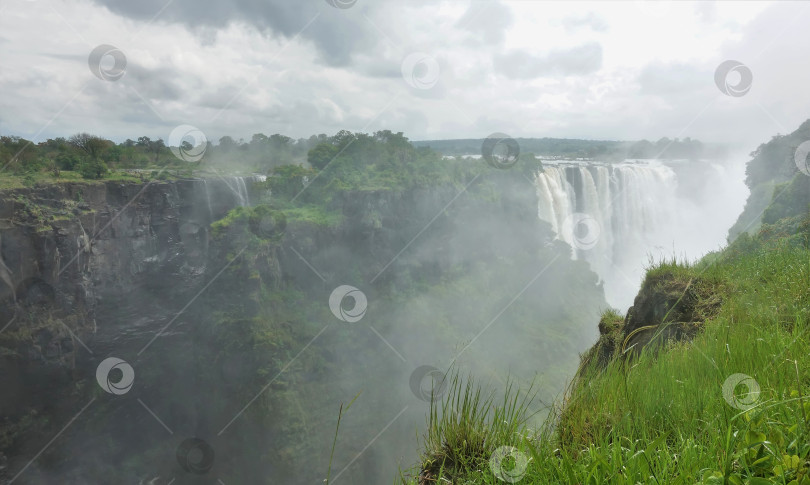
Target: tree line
(93,156)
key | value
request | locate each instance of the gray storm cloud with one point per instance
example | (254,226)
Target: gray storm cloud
(549,70)
(338,35)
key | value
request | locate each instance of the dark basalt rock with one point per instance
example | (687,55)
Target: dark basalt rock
(70,253)
(671,306)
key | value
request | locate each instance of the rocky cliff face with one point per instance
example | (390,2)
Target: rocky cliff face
(99,270)
(71,254)
(68,248)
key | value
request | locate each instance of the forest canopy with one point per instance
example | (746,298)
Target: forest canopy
(93,157)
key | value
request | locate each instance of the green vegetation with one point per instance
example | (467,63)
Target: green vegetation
(358,160)
(656,415)
(92,156)
(346,222)
(347,165)
(771,166)
(460,435)
(380,161)
(313,214)
(252,226)
(85,156)
(601,149)
(663,415)
(791,199)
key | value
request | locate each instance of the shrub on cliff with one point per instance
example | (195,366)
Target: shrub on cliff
(287,181)
(790,199)
(92,168)
(243,225)
(321,155)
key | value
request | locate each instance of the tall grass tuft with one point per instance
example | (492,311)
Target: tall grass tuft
(469,423)
(665,417)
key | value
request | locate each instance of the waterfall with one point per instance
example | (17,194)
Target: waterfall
(82,245)
(225,192)
(244,199)
(208,200)
(612,216)
(239,187)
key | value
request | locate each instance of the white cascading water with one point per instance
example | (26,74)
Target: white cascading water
(237,186)
(613,216)
(208,200)
(242,188)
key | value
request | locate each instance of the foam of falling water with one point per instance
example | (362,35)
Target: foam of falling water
(244,199)
(634,207)
(82,245)
(208,200)
(239,189)
(239,186)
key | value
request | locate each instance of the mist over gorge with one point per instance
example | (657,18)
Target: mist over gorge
(226,298)
(159,250)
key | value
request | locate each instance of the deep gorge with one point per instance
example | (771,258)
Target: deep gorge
(222,311)
(139,254)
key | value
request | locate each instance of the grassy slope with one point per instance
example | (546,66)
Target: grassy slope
(665,418)
(16,181)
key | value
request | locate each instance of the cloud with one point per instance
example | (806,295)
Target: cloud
(524,68)
(337,33)
(487,22)
(589,20)
(161,83)
(675,78)
(580,60)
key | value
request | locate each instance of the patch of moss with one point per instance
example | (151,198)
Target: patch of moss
(255,225)
(313,214)
(790,199)
(239,215)
(611,324)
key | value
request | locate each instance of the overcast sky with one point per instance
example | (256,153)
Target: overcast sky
(443,69)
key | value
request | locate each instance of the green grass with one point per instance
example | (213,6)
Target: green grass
(12,181)
(312,214)
(466,425)
(664,417)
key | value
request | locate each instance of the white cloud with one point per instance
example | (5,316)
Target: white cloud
(505,66)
